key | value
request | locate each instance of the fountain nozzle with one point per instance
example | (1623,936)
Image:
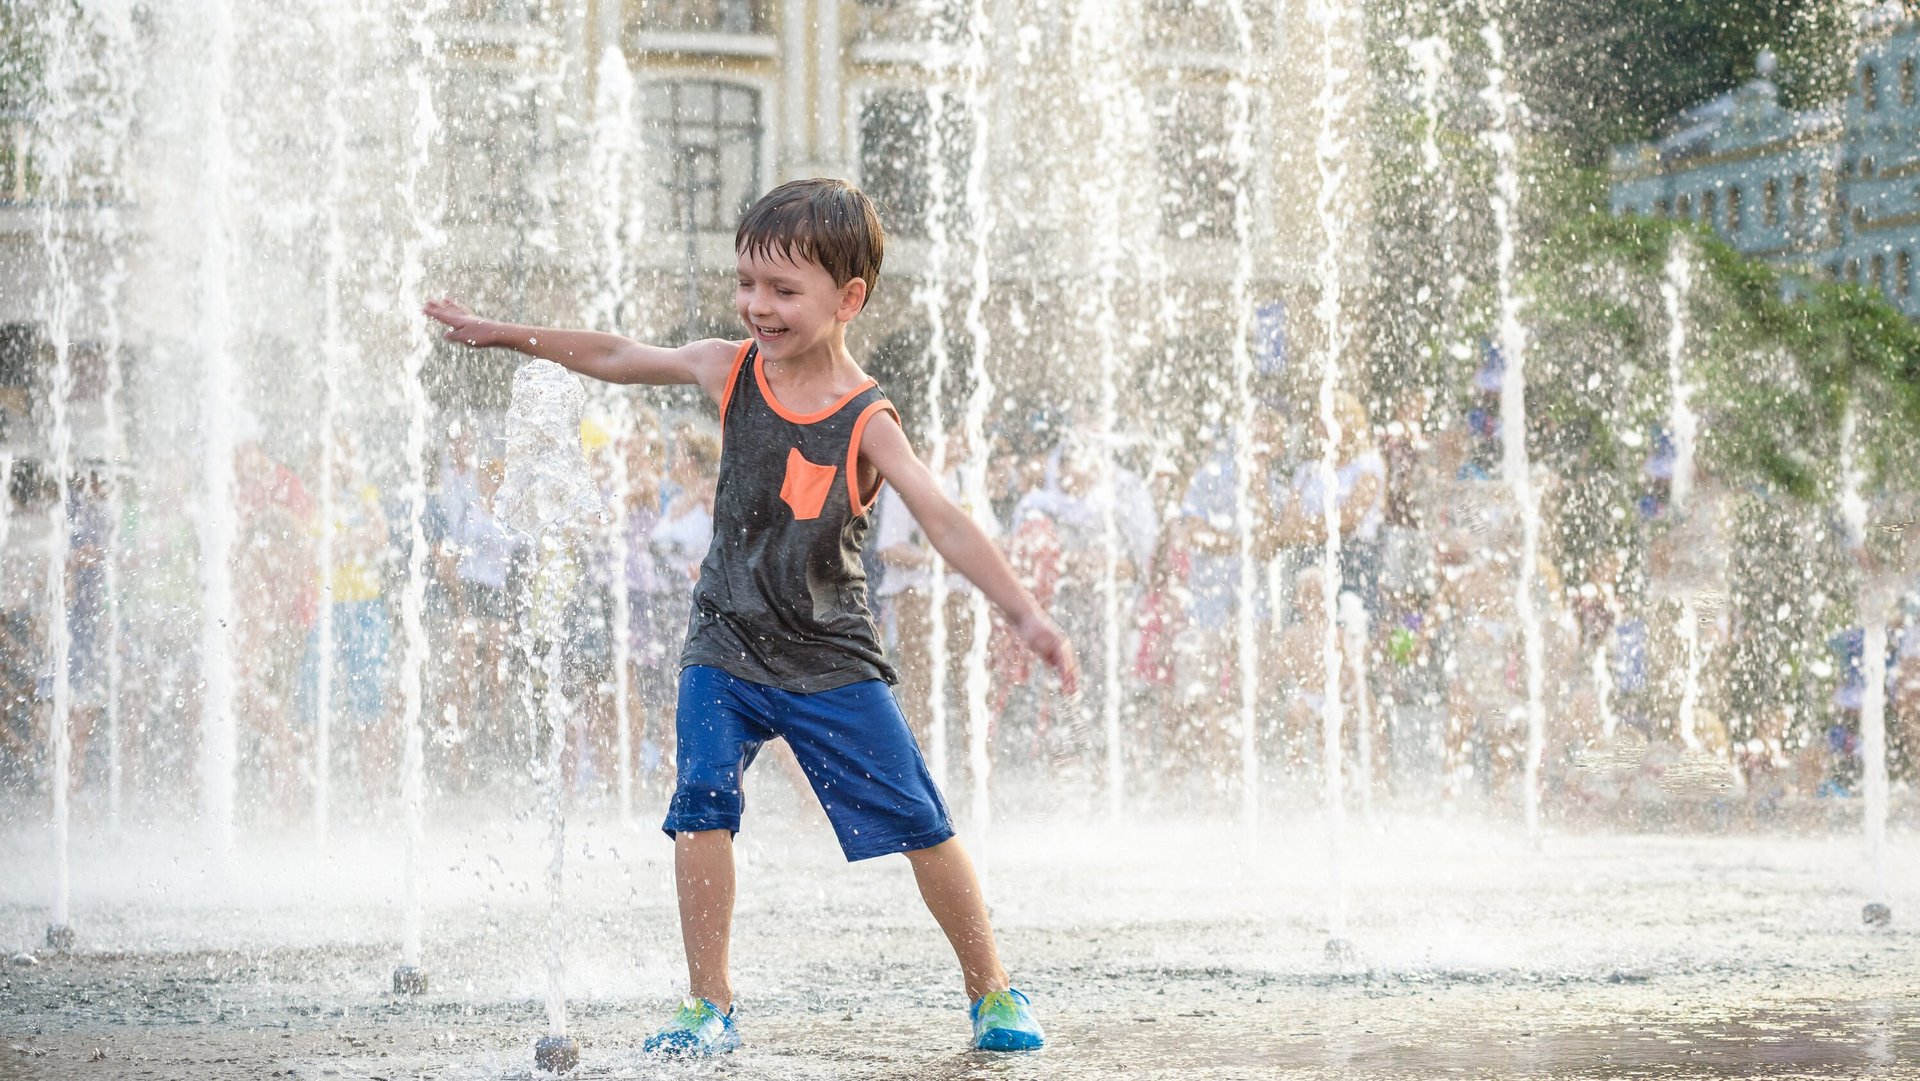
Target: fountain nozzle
(1341,952)
(409,980)
(556,1054)
(1876,914)
(60,937)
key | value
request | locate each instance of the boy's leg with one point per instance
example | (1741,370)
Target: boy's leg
(952,893)
(703,877)
(720,734)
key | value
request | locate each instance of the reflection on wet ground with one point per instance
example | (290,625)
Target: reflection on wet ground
(1169,952)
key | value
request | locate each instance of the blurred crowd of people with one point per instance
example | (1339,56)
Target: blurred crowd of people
(1178,582)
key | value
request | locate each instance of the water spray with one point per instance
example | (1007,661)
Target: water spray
(410,978)
(549,496)
(1516,467)
(1330,149)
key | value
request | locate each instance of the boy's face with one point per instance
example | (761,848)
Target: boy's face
(791,307)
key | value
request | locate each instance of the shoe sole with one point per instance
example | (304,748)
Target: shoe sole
(679,1049)
(1009,1039)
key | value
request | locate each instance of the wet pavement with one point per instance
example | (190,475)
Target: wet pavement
(1168,950)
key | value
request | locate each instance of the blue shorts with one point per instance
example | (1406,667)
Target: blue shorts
(852,742)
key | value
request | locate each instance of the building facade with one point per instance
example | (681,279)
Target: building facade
(1100,191)
(1829,194)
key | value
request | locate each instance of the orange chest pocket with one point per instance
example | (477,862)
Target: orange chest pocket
(806,486)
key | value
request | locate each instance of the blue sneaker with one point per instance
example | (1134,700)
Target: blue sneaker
(1004,1021)
(697,1028)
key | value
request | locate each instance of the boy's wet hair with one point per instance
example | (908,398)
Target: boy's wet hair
(824,221)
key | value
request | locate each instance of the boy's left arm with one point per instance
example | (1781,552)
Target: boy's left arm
(962,543)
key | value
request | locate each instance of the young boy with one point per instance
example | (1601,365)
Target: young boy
(781,643)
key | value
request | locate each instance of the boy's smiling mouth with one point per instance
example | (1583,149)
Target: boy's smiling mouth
(768,332)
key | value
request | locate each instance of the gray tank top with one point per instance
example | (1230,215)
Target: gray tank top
(782,597)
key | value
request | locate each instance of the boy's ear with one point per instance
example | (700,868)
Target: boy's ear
(853,297)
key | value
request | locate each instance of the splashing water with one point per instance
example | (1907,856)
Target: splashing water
(1239,292)
(1876,603)
(932,297)
(610,161)
(1330,149)
(1676,290)
(220,409)
(1516,466)
(422,219)
(334,356)
(549,496)
(973,480)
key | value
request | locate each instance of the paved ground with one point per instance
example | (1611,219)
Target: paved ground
(1177,950)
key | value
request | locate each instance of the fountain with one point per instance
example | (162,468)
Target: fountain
(550,497)
(1884,542)
(221,406)
(1246,652)
(611,156)
(410,977)
(1330,150)
(1689,560)
(334,358)
(1103,41)
(1516,466)
(1353,629)
(977,65)
(250,288)
(932,298)
(61,303)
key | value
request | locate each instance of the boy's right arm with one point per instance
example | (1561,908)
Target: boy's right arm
(606,357)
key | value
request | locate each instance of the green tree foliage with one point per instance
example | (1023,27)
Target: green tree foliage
(1775,372)
(19,63)
(1600,72)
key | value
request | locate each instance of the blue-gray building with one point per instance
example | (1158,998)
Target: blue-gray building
(1830,193)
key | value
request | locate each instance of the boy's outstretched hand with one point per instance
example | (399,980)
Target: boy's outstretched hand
(1051,646)
(463,327)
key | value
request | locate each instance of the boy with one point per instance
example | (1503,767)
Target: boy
(781,643)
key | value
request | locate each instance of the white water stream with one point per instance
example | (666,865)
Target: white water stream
(1333,21)
(550,497)
(978,66)
(221,405)
(1516,465)
(422,218)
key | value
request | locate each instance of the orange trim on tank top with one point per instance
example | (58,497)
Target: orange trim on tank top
(853,457)
(733,379)
(760,374)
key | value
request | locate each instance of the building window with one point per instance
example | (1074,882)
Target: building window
(1853,271)
(706,135)
(1906,82)
(1903,273)
(1866,168)
(1799,198)
(911,20)
(1879,272)
(1770,203)
(704,16)
(1663,208)
(1710,209)
(1859,217)
(1683,207)
(1869,88)
(1734,222)
(897,131)
(495,11)
(1197,182)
